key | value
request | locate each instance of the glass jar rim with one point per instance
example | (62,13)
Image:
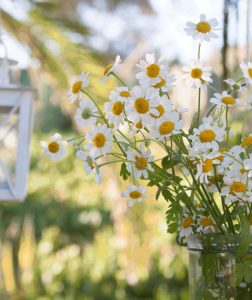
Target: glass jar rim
(215,243)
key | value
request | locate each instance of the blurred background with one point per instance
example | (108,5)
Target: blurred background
(72,239)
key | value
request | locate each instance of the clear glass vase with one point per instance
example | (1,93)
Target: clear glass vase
(216,271)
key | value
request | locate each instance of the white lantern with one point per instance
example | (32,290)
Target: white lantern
(16,120)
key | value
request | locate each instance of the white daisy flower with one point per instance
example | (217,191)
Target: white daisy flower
(204,162)
(162,108)
(225,100)
(140,162)
(115,108)
(135,128)
(248,165)
(238,170)
(135,194)
(205,168)
(235,151)
(121,93)
(247,141)
(153,70)
(197,154)
(55,149)
(199,206)
(166,83)
(206,224)
(235,86)
(86,113)
(197,75)
(234,189)
(247,71)
(227,158)
(232,198)
(89,164)
(111,68)
(74,92)
(203,30)
(249,104)
(167,126)
(211,185)
(208,135)
(186,226)
(142,105)
(99,141)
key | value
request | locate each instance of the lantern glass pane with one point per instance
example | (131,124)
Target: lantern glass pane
(8,145)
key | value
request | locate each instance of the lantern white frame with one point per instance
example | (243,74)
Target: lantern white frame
(15,99)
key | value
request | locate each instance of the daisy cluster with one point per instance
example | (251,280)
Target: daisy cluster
(204,175)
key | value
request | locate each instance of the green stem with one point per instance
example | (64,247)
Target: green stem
(211,110)
(110,162)
(199,51)
(118,78)
(97,106)
(225,208)
(76,138)
(227,127)
(199,98)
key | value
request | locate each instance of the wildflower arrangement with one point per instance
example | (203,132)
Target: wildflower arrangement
(206,180)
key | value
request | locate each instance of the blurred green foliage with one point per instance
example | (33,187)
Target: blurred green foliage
(58,244)
(61,243)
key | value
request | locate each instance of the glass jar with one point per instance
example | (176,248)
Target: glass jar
(216,271)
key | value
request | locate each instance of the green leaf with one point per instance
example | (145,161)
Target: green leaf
(245,232)
(193,123)
(172,227)
(247,272)
(239,272)
(124,172)
(158,193)
(173,215)
(169,162)
(167,195)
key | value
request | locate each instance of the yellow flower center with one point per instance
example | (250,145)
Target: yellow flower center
(207,135)
(135,195)
(161,111)
(166,127)
(207,166)
(199,205)
(203,27)
(243,170)
(160,84)
(141,163)
(228,100)
(142,105)
(237,187)
(153,70)
(106,70)
(125,94)
(187,222)
(99,140)
(139,125)
(53,147)
(117,108)
(90,163)
(247,141)
(206,221)
(250,72)
(220,157)
(76,87)
(196,73)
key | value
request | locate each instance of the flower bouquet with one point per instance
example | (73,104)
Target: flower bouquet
(204,173)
